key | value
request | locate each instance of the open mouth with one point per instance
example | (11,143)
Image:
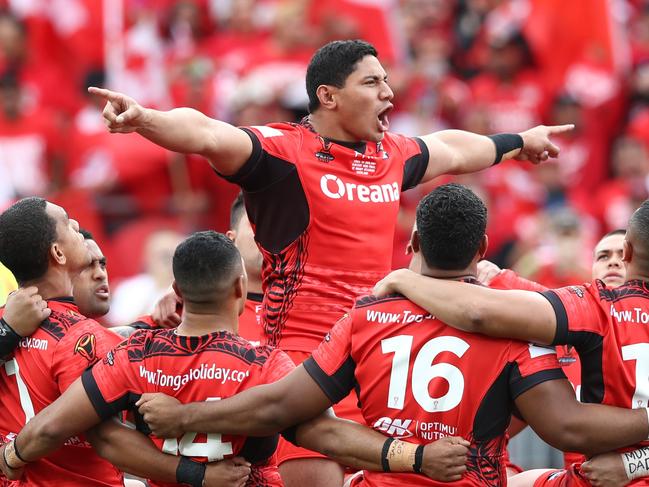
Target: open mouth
(384,121)
(102,292)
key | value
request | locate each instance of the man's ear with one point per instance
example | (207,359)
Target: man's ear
(231,234)
(56,252)
(414,241)
(627,251)
(174,286)
(239,287)
(327,96)
(484,245)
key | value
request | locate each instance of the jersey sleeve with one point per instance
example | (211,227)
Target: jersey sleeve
(109,384)
(579,317)
(272,150)
(531,365)
(508,279)
(331,365)
(81,347)
(278,366)
(415,155)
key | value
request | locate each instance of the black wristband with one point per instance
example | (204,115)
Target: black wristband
(9,339)
(419,458)
(190,472)
(384,454)
(505,143)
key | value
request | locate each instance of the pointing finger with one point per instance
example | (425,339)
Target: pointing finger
(104,93)
(560,129)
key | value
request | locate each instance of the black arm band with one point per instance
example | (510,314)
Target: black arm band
(9,339)
(505,143)
(190,472)
(419,458)
(384,454)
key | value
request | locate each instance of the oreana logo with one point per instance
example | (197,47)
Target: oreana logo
(335,188)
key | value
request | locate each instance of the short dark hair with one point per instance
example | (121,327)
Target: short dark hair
(26,234)
(332,64)
(451,223)
(86,234)
(205,266)
(639,225)
(617,231)
(237,211)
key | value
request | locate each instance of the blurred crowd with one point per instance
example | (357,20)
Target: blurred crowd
(482,65)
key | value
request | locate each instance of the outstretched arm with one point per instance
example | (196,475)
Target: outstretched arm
(180,130)
(523,315)
(259,411)
(460,152)
(569,425)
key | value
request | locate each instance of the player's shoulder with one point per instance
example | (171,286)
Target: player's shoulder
(631,289)
(244,349)
(371,300)
(277,131)
(64,319)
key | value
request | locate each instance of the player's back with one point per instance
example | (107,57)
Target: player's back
(191,369)
(421,380)
(39,370)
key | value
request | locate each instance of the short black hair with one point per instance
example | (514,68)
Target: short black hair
(205,265)
(617,231)
(332,64)
(237,211)
(451,223)
(86,234)
(26,234)
(639,225)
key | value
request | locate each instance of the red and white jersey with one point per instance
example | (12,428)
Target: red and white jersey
(191,368)
(324,215)
(608,328)
(419,380)
(251,326)
(41,368)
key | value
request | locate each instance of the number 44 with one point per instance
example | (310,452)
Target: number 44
(213,449)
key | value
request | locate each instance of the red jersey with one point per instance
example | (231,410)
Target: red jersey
(566,354)
(324,216)
(191,368)
(41,368)
(419,380)
(607,327)
(250,322)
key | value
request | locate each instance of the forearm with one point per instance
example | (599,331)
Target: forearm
(471,152)
(180,130)
(132,452)
(347,442)
(254,412)
(594,428)
(478,309)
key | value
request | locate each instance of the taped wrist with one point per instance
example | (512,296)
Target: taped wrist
(9,339)
(636,463)
(190,472)
(505,143)
(401,456)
